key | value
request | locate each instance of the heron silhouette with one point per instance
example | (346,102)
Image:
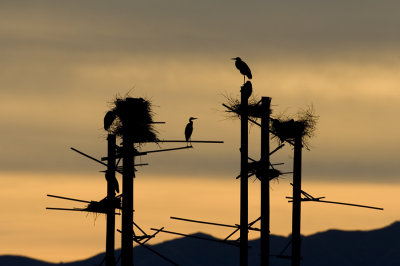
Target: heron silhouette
(247,89)
(109,119)
(243,68)
(112,181)
(189,130)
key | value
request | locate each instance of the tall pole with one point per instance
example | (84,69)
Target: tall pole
(127,200)
(244,180)
(110,176)
(296,215)
(265,205)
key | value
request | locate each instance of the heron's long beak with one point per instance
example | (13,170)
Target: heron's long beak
(233,58)
(194,118)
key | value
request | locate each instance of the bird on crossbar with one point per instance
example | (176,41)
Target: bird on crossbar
(189,130)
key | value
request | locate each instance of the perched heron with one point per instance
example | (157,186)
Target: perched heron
(243,68)
(247,89)
(113,182)
(109,119)
(189,129)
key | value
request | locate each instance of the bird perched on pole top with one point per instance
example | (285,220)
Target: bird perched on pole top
(243,68)
(247,89)
(189,129)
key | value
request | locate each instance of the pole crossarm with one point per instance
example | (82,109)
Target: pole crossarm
(233,243)
(277,148)
(118,157)
(308,197)
(339,203)
(137,240)
(60,197)
(212,223)
(92,158)
(138,227)
(140,164)
(66,209)
(153,235)
(102,206)
(171,149)
(156,252)
(75,209)
(256,123)
(88,156)
(194,141)
(248,118)
(141,153)
(248,227)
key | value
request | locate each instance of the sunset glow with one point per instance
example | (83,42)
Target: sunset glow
(62,63)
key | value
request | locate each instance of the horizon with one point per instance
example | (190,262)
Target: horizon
(83,234)
(202,234)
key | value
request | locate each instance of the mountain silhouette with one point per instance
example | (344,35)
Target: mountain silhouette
(378,247)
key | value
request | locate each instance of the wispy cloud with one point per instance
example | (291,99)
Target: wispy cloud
(62,62)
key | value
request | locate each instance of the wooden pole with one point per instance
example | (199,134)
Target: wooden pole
(265,204)
(110,176)
(244,181)
(127,200)
(296,214)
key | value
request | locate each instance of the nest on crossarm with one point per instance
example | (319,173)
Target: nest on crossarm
(254,108)
(104,205)
(282,127)
(131,116)
(303,125)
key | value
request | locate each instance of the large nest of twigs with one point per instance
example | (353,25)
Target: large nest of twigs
(131,116)
(303,125)
(254,108)
(104,205)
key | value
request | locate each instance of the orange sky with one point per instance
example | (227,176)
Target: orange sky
(30,229)
(61,64)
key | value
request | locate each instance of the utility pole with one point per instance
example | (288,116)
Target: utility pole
(265,197)
(110,176)
(244,180)
(127,199)
(296,215)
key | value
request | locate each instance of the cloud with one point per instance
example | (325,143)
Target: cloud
(155,27)
(63,63)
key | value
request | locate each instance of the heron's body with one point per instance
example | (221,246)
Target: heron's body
(189,129)
(109,119)
(112,181)
(247,89)
(243,67)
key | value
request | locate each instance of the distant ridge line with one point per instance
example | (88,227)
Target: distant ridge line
(374,247)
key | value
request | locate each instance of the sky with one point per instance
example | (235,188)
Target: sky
(63,63)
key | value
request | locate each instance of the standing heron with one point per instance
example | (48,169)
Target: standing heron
(189,129)
(243,68)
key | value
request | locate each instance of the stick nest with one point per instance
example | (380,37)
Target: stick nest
(303,125)
(132,116)
(104,205)
(282,127)
(254,108)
